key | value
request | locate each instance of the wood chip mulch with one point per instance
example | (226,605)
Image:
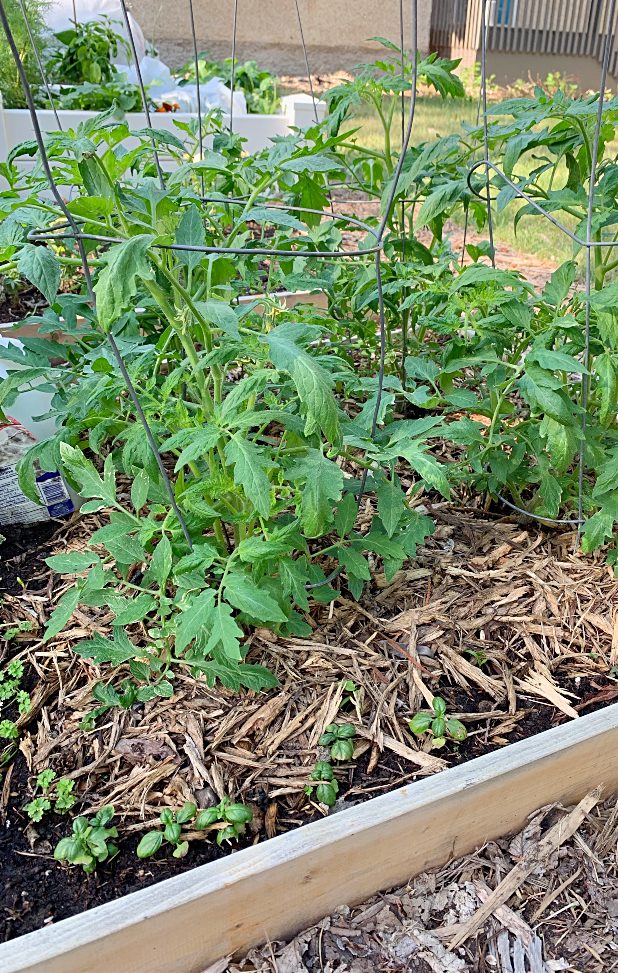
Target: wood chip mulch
(504,621)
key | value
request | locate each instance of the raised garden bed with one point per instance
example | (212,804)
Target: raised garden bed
(215,910)
(257,130)
(468,585)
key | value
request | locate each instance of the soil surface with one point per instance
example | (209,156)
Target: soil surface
(502,620)
(17,304)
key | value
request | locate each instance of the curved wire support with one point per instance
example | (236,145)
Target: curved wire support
(196,61)
(233,75)
(609,43)
(74,232)
(588,243)
(37,57)
(50,235)
(140,82)
(484,30)
(592,244)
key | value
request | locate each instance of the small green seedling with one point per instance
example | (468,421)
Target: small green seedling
(172,822)
(8,730)
(90,842)
(479,657)
(41,804)
(234,817)
(351,693)
(339,737)
(436,722)
(12,693)
(325,786)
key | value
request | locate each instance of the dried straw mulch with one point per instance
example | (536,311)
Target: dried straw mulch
(504,621)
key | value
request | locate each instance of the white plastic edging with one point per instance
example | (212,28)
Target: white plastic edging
(274,889)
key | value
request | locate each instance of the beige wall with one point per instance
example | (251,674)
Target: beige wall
(336,31)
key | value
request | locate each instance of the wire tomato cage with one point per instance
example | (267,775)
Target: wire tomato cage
(586,242)
(71,228)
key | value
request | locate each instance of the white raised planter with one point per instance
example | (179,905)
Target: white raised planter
(28,404)
(279,886)
(258,130)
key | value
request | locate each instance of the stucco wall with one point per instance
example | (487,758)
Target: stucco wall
(337,32)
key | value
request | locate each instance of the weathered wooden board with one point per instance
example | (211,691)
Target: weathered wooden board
(274,889)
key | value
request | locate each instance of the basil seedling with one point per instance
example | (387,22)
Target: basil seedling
(339,737)
(436,722)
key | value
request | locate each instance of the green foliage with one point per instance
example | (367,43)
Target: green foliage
(82,64)
(324,784)
(230,819)
(10,84)
(90,843)
(247,403)
(258,85)
(86,52)
(339,738)
(172,821)
(60,791)
(437,722)
(14,700)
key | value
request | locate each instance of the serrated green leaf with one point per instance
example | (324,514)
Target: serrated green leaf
(202,440)
(194,619)
(607,386)
(62,613)
(139,490)
(88,479)
(346,514)
(294,578)
(225,631)
(313,383)
(161,562)
(562,442)
(323,486)
(550,493)
(600,527)
(391,504)
(125,549)
(136,610)
(221,316)
(41,267)
(249,464)
(556,360)
(243,593)
(355,564)
(72,562)
(191,233)
(558,286)
(126,265)
(428,468)
(103,650)
(544,398)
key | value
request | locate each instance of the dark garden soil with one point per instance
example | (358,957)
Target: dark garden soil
(20,303)
(516,632)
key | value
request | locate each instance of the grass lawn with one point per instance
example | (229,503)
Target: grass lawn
(436,117)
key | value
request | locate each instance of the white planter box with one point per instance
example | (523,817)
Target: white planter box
(258,130)
(27,404)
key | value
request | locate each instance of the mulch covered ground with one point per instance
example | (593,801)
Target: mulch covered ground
(503,620)
(541,901)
